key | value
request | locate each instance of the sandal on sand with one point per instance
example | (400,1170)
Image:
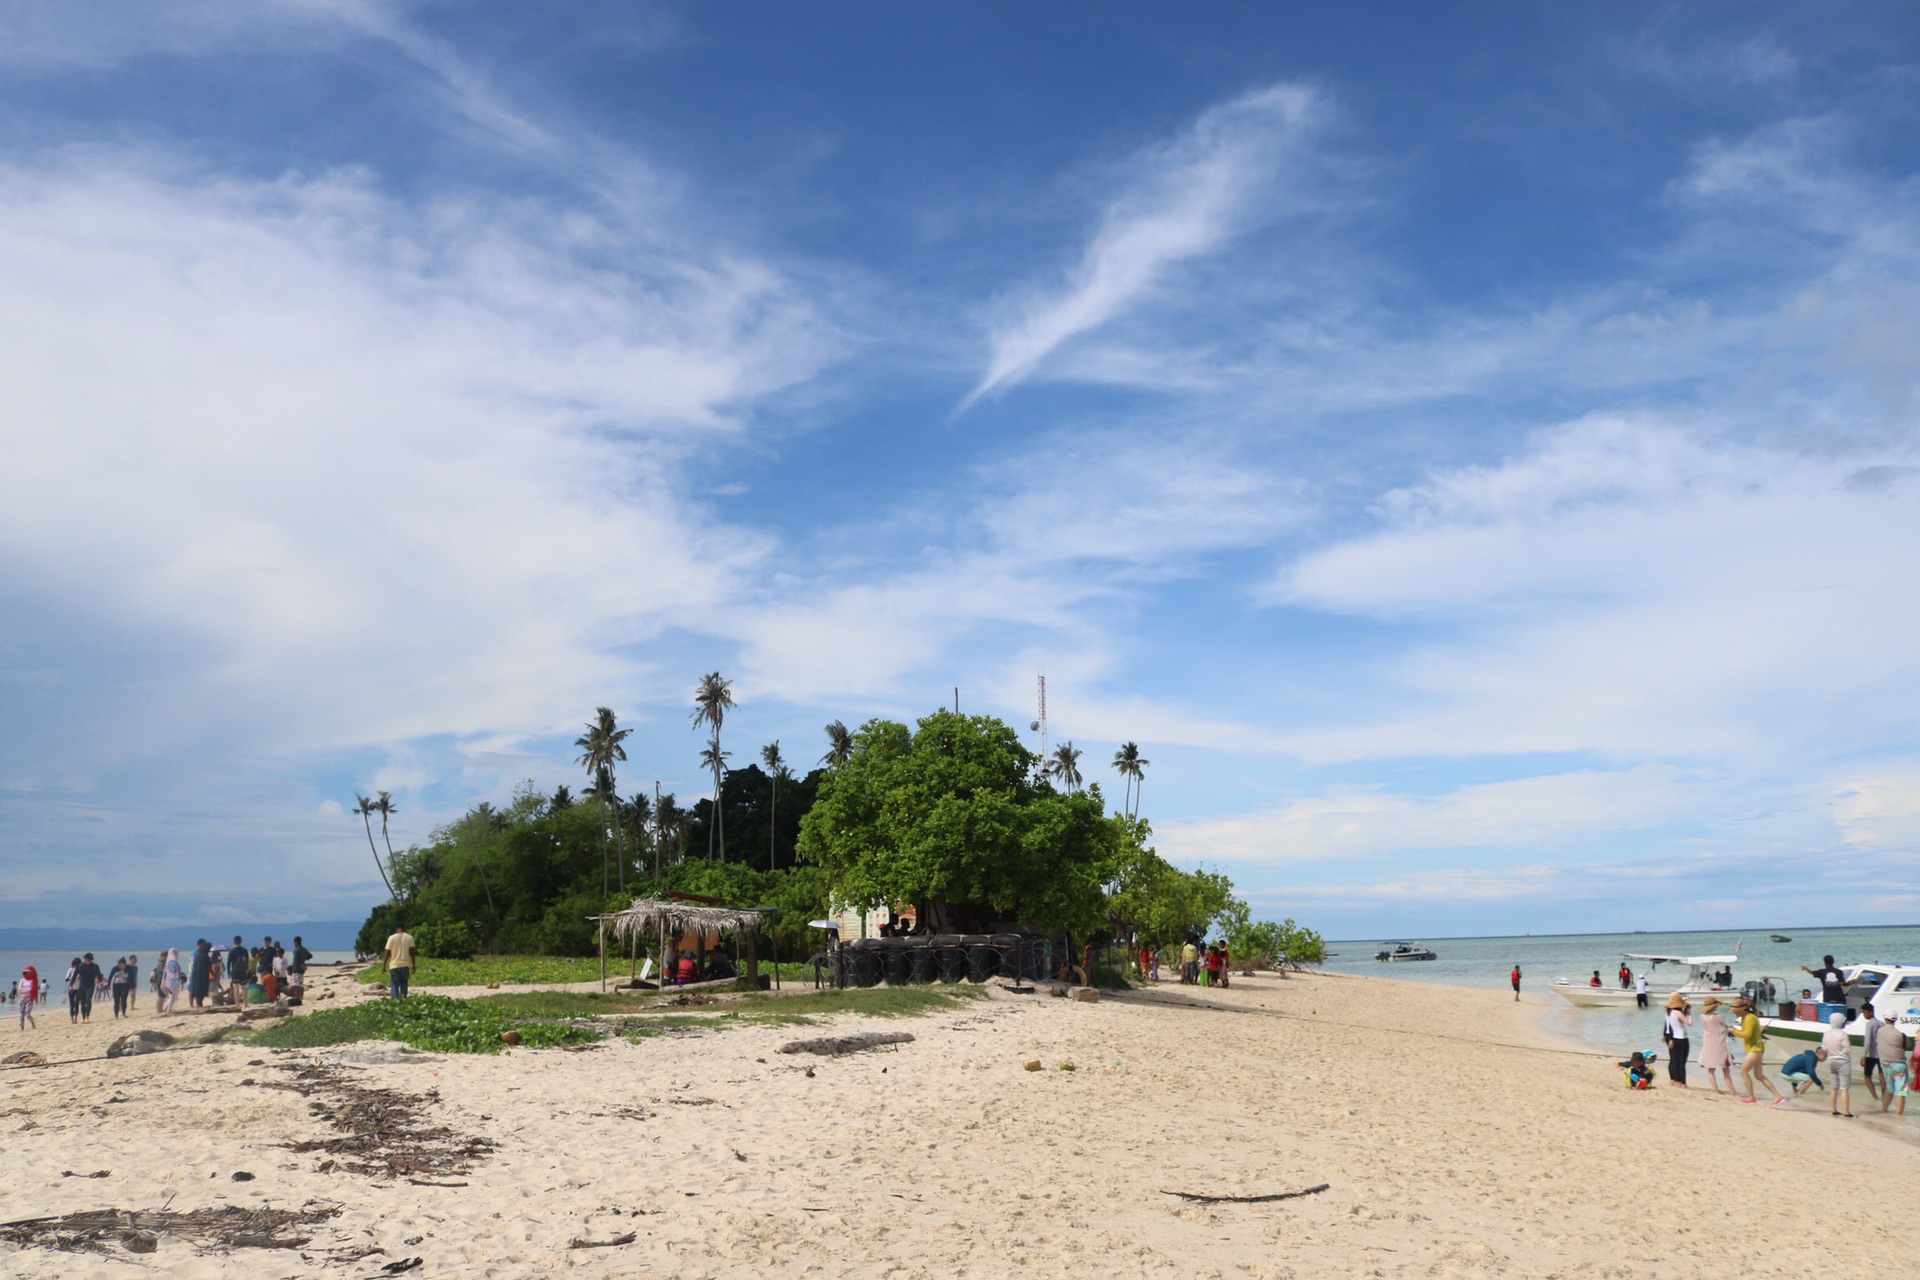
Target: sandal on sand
(1747,1102)
(1779,1102)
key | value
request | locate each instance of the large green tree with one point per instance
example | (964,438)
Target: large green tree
(949,816)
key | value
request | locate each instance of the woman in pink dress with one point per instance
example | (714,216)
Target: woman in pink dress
(1715,1057)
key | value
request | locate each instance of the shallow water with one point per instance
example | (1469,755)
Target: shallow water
(1486,962)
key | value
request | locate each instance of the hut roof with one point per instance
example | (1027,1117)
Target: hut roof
(647,916)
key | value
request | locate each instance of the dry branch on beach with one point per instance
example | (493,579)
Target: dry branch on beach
(834,1045)
(139,1230)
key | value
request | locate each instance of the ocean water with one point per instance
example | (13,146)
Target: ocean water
(1487,962)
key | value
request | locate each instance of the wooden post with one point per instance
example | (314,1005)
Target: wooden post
(753,957)
(603,954)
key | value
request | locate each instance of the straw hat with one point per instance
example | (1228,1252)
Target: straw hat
(1713,1002)
(1676,1001)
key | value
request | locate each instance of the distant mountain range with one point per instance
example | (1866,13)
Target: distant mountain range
(319,935)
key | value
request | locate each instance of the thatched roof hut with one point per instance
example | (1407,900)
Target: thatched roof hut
(648,917)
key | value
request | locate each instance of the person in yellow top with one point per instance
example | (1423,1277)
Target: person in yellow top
(1189,963)
(1751,1035)
(398,959)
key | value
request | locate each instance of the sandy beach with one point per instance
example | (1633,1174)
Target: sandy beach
(1454,1138)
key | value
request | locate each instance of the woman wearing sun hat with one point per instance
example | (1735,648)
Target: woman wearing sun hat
(1679,1018)
(1713,1045)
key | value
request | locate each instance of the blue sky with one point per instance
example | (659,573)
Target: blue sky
(1471,451)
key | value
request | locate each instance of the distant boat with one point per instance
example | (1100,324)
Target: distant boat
(1780,937)
(1406,951)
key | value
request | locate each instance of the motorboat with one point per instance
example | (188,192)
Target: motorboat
(1892,989)
(1778,937)
(1405,951)
(1700,983)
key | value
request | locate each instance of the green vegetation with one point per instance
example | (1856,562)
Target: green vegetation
(433,1023)
(955,817)
(432,971)
(1285,945)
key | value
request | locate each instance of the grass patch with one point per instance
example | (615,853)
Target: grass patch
(479,971)
(434,1023)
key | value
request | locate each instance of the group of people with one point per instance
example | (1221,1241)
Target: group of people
(1889,1058)
(208,976)
(1202,963)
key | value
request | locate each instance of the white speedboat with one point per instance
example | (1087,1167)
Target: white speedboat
(1700,983)
(1892,989)
(1405,951)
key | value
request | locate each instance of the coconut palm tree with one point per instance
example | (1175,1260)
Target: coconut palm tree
(712,757)
(777,772)
(669,830)
(1065,765)
(839,745)
(1131,766)
(599,748)
(712,699)
(366,810)
(386,808)
(636,815)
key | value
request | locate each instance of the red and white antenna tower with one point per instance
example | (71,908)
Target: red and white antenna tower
(1041,723)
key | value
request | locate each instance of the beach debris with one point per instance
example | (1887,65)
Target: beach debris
(1085,995)
(138,1230)
(510,1037)
(260,1012)
(102,1173)
(1031,1064)
(809,1073)
(405,1264)
(25,1058)
(384,1131)
(241,1175)
(835,1045)
(578,1243)
(1196,1198)
(139,1042)
(1068,1065)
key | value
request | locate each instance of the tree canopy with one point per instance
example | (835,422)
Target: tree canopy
(953,817)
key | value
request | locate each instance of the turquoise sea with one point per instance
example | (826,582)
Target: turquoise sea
(1486,962)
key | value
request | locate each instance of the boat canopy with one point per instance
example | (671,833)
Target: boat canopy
(1687,960)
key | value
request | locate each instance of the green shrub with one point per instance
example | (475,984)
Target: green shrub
(445,941)
(434,1023)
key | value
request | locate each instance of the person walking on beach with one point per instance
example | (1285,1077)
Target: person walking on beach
(398,958)
(237,969)
(1640,991)
(1516,982)
(1839,1047)
(86,979)
(29,988)
(1890,1045)
(1679,1018)
(171,981)
(200,973)
(1713,1054)
(117,980)
(1752,1038)
(1869,1052)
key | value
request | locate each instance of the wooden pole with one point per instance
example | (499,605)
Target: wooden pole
(603,956)
(753,957)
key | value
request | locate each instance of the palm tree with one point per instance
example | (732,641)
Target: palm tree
(712,757)
(669,829)
(366,810)
(599,748)
(712,699)
(386,808)
(1131,766)
(776,772)
(636,817)
(839,745)
(1065,765)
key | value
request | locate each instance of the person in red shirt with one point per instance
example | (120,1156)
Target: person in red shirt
(1516,982)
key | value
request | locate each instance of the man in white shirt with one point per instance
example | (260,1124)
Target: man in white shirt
(1869,1055)
(1640,991)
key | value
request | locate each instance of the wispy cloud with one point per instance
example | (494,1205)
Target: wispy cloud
(1185,199)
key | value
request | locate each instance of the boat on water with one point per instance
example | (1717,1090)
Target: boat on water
(1779,937)
(1701,981)
(1405,951)
(1892,989)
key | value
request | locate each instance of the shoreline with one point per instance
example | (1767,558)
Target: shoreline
(1455,1136)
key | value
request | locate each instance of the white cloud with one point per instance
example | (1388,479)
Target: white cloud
(1187,198)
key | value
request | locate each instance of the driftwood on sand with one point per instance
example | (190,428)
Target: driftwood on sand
(846,1044)
(139,1230)
(1197,1198)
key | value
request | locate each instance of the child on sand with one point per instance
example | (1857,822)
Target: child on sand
(1639,1074)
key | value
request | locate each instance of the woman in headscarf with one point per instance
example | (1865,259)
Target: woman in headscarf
(199,976)
(171,981)
(1713,1045)
(1839,1047)
(29,995)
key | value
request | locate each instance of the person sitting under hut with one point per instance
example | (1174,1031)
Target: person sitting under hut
(719,965)
(1803,1070)
(688,970)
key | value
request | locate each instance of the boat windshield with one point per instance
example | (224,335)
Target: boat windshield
(1865,986)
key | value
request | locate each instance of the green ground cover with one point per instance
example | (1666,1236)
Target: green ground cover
(537,970)
(434,1023)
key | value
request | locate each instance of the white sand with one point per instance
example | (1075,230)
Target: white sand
(1458,1139)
